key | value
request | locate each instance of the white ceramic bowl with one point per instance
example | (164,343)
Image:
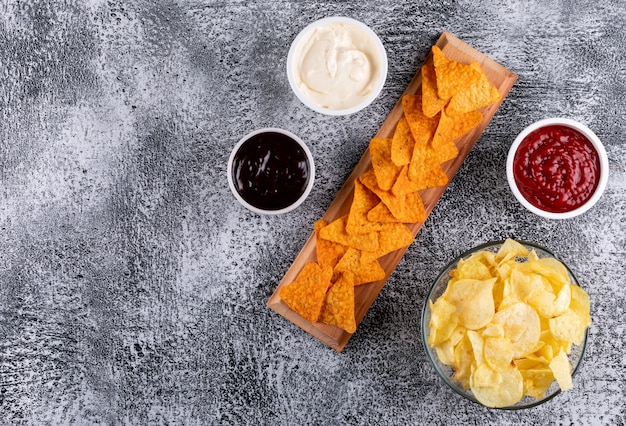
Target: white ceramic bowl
(603,175)
(271,211)
(292,60)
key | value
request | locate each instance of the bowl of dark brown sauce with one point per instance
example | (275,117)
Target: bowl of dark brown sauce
(271,171)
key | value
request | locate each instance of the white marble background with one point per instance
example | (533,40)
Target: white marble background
(133,287)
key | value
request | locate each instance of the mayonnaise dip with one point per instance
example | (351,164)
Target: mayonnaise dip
(337,65)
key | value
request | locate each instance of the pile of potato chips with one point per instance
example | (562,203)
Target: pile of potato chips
(506,324)
(387,196)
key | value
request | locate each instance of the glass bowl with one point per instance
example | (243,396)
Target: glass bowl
(446,372)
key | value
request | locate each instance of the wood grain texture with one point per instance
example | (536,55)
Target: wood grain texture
(365,294)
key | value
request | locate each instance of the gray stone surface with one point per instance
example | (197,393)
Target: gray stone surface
(133,286)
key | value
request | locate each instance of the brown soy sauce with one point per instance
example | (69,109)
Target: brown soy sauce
(270,171)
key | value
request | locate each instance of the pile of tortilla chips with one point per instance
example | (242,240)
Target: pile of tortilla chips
(387,196)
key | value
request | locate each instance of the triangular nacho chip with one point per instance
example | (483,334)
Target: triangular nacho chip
(336,231)
(384,168)
(363,201)
(478,95)
(431,102)
(402,143)
(392,237)
(338,307)
(452,76)
(406,208)
(307,293)
(328,252)
(364,272)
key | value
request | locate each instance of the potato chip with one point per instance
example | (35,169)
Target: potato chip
(363,201)
(402,143)
(473,300)
(509,250)
(443,321)
(562,370)
(328,252)
(364,272)
(480,94)
(384,168)
(452,76)
(338,306)
(336,231)
(431,102)
(521,326)
(463,361)
(568,327)
(498,352)
(536,381)
(497,388)
(530,331)
(306,294)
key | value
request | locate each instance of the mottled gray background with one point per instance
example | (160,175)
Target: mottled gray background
(133,286)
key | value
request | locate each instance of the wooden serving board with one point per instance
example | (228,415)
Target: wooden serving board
(365,294)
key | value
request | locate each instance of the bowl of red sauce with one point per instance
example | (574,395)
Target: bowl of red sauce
(271,171)
(557,168)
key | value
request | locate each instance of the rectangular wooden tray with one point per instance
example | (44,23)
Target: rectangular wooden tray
(365,294)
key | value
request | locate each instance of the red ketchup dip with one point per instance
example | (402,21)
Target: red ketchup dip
(556,168)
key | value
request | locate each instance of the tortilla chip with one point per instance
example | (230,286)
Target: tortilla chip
(363,201)
(364,272)
(431,102)
(307,293)
(328,252)
(422,127)
(406,208)
(452,76)
(478,95)
(449,129)
(392,237)
(338,307)
(419,175)
(336,231)
(384,168)
(381,214)
(402,143)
